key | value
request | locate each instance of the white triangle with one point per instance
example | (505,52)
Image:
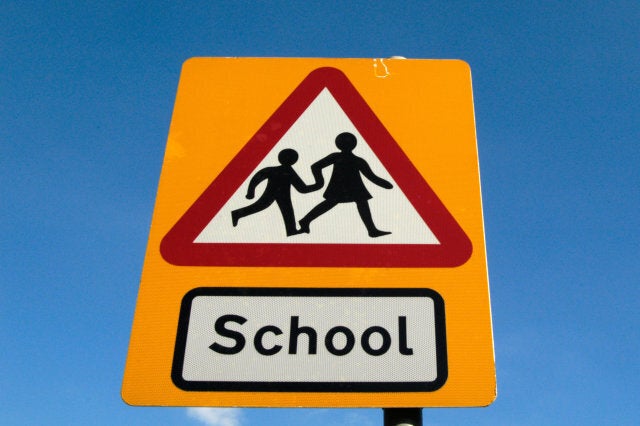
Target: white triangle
(312,136)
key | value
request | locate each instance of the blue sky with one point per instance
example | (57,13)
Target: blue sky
(87,92)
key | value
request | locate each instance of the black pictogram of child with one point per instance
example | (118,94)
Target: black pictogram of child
(279,179)
(345,184)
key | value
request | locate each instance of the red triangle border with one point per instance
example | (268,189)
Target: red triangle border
(455,248)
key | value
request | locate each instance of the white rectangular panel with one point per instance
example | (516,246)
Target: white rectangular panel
(282,339)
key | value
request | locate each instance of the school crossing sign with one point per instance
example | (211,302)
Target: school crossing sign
(317,240)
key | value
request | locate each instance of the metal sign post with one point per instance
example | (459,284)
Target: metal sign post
(402,417)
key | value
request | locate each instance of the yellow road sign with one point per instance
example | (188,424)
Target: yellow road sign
(317,240)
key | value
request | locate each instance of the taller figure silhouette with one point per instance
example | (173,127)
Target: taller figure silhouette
(345,184)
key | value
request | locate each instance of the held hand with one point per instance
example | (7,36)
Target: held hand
(316,186)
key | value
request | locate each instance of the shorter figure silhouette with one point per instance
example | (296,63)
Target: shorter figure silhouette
(345,184)
(279,179)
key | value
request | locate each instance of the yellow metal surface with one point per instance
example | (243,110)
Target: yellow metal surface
(427,106)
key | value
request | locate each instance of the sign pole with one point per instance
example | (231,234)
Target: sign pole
(402,416)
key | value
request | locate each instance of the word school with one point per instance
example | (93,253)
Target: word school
(339,340)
